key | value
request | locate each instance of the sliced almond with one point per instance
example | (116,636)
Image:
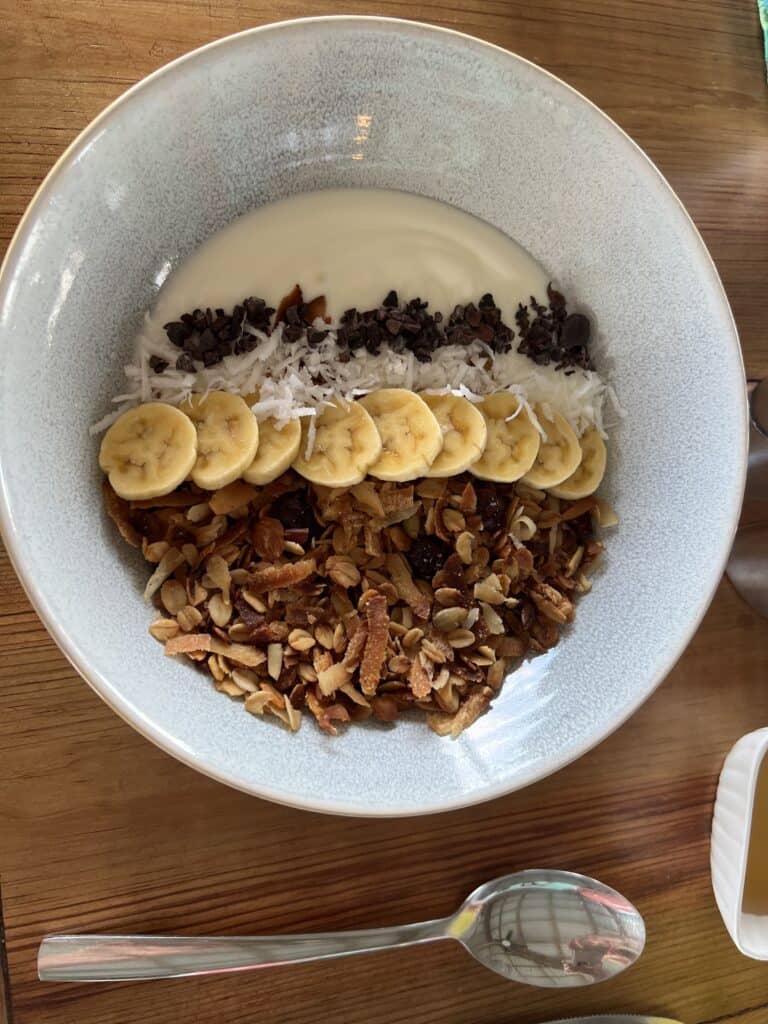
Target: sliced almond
(300,640)
(173,596)
(492,619)
(164,629)
(459,638)
(449,618)
(219,610)
(189,618)
(465,543)
(167,565)
(246,679)
(274,660)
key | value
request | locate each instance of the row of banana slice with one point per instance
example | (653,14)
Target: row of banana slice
(393,434)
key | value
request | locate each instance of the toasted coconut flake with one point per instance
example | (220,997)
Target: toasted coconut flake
(257,703)
(243,654)
(349,690)
(471,709)
(374,654)
(368,497)
(331,678)
(279,576)
(578,508)
(232,497)
(405,586)
(177,499)
(420,676)
(117,510)
(188,643)
(355,648)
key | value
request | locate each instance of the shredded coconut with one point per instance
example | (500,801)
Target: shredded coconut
(294,379)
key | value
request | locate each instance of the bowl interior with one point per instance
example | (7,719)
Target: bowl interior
(371,102)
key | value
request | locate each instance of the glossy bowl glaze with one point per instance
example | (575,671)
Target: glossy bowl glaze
(393,104)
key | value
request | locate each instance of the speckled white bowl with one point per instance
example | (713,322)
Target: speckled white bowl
(274,111)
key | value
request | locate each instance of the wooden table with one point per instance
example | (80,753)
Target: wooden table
(101,831)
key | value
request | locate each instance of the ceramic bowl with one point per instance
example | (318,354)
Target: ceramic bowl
(276,111)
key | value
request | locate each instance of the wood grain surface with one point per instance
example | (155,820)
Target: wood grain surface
(101,831)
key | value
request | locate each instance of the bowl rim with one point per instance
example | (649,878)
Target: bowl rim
(101,685)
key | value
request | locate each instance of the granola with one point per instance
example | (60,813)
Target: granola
(386,598)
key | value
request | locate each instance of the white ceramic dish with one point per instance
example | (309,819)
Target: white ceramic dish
(731,826)
(226,128)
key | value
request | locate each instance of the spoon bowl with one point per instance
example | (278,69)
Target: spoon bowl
(551,929)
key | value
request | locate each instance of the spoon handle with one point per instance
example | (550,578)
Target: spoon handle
(134,957)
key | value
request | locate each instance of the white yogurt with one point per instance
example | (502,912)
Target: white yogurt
(353,245)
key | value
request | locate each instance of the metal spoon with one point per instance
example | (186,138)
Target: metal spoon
(553,929)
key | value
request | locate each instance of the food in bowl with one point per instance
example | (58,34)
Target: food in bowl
(358,512)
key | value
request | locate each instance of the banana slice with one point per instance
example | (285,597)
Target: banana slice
(591,471)
(346,444)
(227,438)
(410,434)
(513,443)
(464,433)
(559,456)
(277,450)
(148,451)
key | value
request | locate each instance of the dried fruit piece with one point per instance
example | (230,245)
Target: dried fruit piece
(427,555)
(268,538)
